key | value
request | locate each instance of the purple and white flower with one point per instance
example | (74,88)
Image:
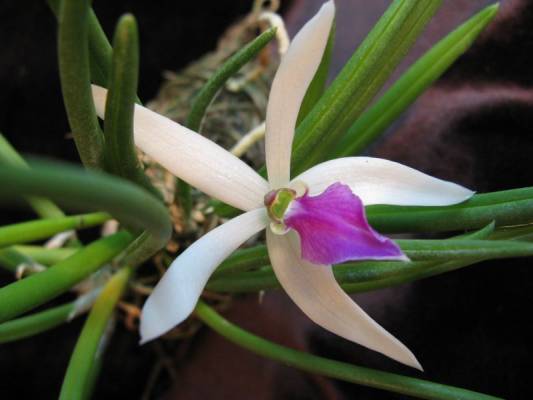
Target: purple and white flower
(312,221)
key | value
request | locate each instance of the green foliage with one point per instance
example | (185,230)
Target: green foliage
(84,361)
(331,368)
(74,72)
(373,122)
(26,294)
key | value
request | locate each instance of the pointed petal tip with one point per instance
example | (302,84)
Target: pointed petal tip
(314,289)
(146,336)
(409,359)
(295,72)
(176,294)
(328,6)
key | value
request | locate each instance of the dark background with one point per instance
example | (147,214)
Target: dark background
(471,328)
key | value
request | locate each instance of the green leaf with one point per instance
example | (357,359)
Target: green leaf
(34,324)
(243,260)
(524,233)
(438,256)
(360,80)
(100,51)
(508,207)
(44,255)
(208,92)
(74,72)
(331,368)
(11,259)
(464,248)
(9,156)
(411,84)
(23,295)
(44,228)
(119,152)
(79,377)
(94,191)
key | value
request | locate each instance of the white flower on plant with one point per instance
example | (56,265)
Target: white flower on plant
(315,220)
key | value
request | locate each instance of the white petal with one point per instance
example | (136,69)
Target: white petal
(193,158)
(314,289)
(378,181)
(177,293)
(297,69)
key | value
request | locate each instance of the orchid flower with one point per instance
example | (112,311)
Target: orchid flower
(312,221)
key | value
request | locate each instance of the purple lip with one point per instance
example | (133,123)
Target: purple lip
(333,228)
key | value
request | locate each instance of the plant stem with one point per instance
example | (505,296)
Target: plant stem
(81,371)
(74,72)
(119,152)
(23,295)
(43,207)
(373,122)
(331,368)
(34,324)
(72,186)
(41,229)
(43,255)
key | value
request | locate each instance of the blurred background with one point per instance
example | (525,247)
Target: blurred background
(471,328)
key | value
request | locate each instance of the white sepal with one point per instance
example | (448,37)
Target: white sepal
(193,158)
(295,73)
(379,181)
(177,293)
(314,289)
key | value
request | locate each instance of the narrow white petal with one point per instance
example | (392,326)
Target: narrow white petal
(314,289)
(297,69)
(177,293)
(193,158)
(378,181)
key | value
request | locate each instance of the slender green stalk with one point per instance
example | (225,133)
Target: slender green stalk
(243,260)
(522,232)
(411,273)
(508,207)
(41,229)
(463,246)
(331,368)
(353,277)
(74,72)
(119,152)
(74,187)
(411,84)
(460,248)
(208,92)
(23,295)
(100,50)
(11,259)
(430,257)
(43,207)
(81,372)
(43,255)
(34,324)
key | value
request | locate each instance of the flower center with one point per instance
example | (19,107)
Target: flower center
(277,203)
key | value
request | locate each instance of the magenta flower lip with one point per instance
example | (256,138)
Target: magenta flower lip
(333,229)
